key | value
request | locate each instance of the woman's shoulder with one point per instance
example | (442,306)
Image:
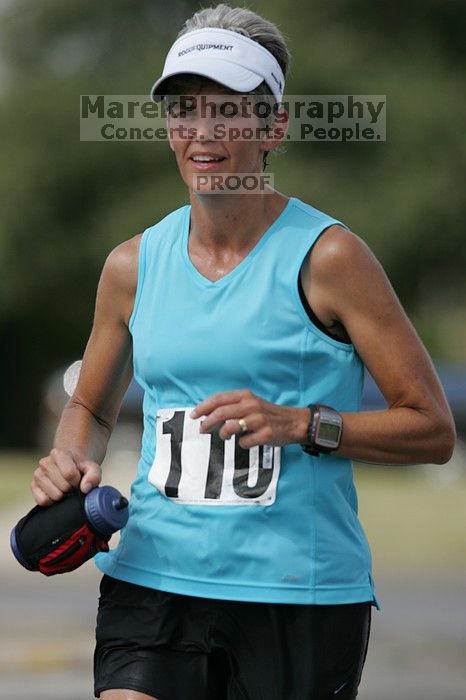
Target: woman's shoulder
(338,248)
(123,259)
(121,266)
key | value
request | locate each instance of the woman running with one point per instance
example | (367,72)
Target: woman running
(247,317)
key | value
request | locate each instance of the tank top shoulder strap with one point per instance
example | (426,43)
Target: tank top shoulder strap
(153,240)
(305,225)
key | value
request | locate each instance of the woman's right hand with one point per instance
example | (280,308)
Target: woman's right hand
(59,472)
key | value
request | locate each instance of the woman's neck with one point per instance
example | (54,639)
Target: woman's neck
(232,222)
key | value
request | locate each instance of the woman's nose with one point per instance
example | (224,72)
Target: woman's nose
(204,128)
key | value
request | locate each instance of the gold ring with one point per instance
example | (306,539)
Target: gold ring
(243,425)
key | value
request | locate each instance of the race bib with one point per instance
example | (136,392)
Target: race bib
(200,468)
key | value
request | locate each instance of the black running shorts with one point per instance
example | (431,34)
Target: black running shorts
(177,647)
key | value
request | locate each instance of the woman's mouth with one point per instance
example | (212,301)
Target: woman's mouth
(206,162)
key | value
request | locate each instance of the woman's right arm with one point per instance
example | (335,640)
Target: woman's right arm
(89,416)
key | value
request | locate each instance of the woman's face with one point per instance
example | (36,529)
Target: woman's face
(218,123)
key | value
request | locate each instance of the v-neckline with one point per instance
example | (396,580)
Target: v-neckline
(225,279)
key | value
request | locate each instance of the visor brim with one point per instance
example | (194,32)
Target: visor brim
(225,73)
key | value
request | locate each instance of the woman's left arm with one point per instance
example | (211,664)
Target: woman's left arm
(350,288)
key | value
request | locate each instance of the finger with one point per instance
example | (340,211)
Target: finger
(219,416)
(48,479)
(92,475)
(67,467)
(262,436)
(60,469)
(234,426)
(247,423)
(40,497)
(43,485)
(51,472)
(228,429)
(248,404)
(247,442)
(204,408)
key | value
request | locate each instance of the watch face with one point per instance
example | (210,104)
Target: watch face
(329,429)
(329,432)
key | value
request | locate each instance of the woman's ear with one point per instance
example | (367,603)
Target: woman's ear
(169,133)
(170,143)
(276,131)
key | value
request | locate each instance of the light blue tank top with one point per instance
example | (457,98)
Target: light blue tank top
(208,518)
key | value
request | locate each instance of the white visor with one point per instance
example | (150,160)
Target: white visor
(228,58)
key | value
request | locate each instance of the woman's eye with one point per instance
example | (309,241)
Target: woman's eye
(178,113)
(223,110)
(177,109)
(228,111)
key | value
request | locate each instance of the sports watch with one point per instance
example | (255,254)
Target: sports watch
(324,431)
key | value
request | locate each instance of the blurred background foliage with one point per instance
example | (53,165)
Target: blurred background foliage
(65,204)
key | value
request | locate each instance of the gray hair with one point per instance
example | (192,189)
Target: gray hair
(253,26)
(246,22)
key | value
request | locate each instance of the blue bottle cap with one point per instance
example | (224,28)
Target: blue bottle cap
(106,510)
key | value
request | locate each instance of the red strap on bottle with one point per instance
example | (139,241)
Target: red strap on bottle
(78,548)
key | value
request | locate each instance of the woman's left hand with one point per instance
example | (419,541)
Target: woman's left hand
(257,421)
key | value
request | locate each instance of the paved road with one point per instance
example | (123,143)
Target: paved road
(417,651)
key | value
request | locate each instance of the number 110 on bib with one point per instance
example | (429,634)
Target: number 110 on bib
(202,469)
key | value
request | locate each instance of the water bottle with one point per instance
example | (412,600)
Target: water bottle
(59,538)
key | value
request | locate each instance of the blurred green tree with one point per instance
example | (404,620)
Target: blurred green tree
(66,203)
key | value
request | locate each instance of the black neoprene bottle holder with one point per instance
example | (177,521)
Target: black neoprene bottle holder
(59,538)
